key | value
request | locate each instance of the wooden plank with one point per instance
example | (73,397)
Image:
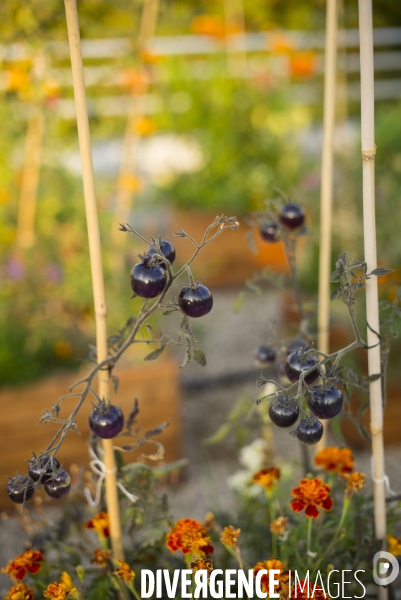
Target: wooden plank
(155,384)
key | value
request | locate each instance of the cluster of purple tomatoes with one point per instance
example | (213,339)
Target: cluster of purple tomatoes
(44,470)
(148,280)
(324,402)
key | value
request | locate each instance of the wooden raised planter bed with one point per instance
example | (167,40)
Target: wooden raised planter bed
(155,384)
(229,259)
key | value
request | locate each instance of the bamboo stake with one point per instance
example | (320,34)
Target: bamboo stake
(30,180)
(131,138)
(96,263)
(326,193)
(372,304)
(234,13)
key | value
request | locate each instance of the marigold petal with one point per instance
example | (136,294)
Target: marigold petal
(327,504)
(311,511)
(296,506)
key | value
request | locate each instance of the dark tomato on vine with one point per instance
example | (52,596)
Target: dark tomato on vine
(20,489)
(310,431)
(270,231)
(43,468)
(284,412)
(296,344)
(325,403)
(264,356)
(195,301)
(297,364)
(292,216)
(148,281)
(60,485)
(106,421)
(166,249)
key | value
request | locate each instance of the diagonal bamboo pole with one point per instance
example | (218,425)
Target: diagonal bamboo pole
(30,180)
(132,139)
(234,13)
(326,190)
(372,303)
(96,262)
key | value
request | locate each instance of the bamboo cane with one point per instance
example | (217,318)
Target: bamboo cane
(234,13)
(131,138)
(30,180)
(326,193)
(372,304)
(96,262)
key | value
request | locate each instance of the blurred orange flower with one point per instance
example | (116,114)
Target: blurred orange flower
(267,478)
(394,545)
(355,481)
(100,523)
(230,536)
(19,592)
(280,43)
(57,591)
(272,563)
(202,564)
(303,64)
(209,25)
(132,183)
(188,536)
(309,495)
(124,571)
(28,562)
(100,557)
(335,460)
(144,126)
(135,79)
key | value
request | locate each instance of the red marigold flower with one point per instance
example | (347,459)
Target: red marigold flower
(309,495)
(100,523)
(335,460)
(188,536)
(267,478)
(272,563)
(27,562)
(19,592)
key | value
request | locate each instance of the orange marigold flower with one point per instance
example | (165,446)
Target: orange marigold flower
(100,557)
(124,571)
(230,536)
(188,536)
(267,478)
(279,525)
(335,460)
(272,563)
(309,495)
(100,523)
(56,591)
(27,562)
(355,482)
(394,545)
(202,564)
(19,592)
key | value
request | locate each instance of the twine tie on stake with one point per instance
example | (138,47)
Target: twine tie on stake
(384,479)
(369,154)
(98,467)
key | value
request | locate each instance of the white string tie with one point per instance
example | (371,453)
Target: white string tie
(99,468)
(385,480)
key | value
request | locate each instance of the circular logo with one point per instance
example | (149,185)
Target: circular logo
(385,568)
